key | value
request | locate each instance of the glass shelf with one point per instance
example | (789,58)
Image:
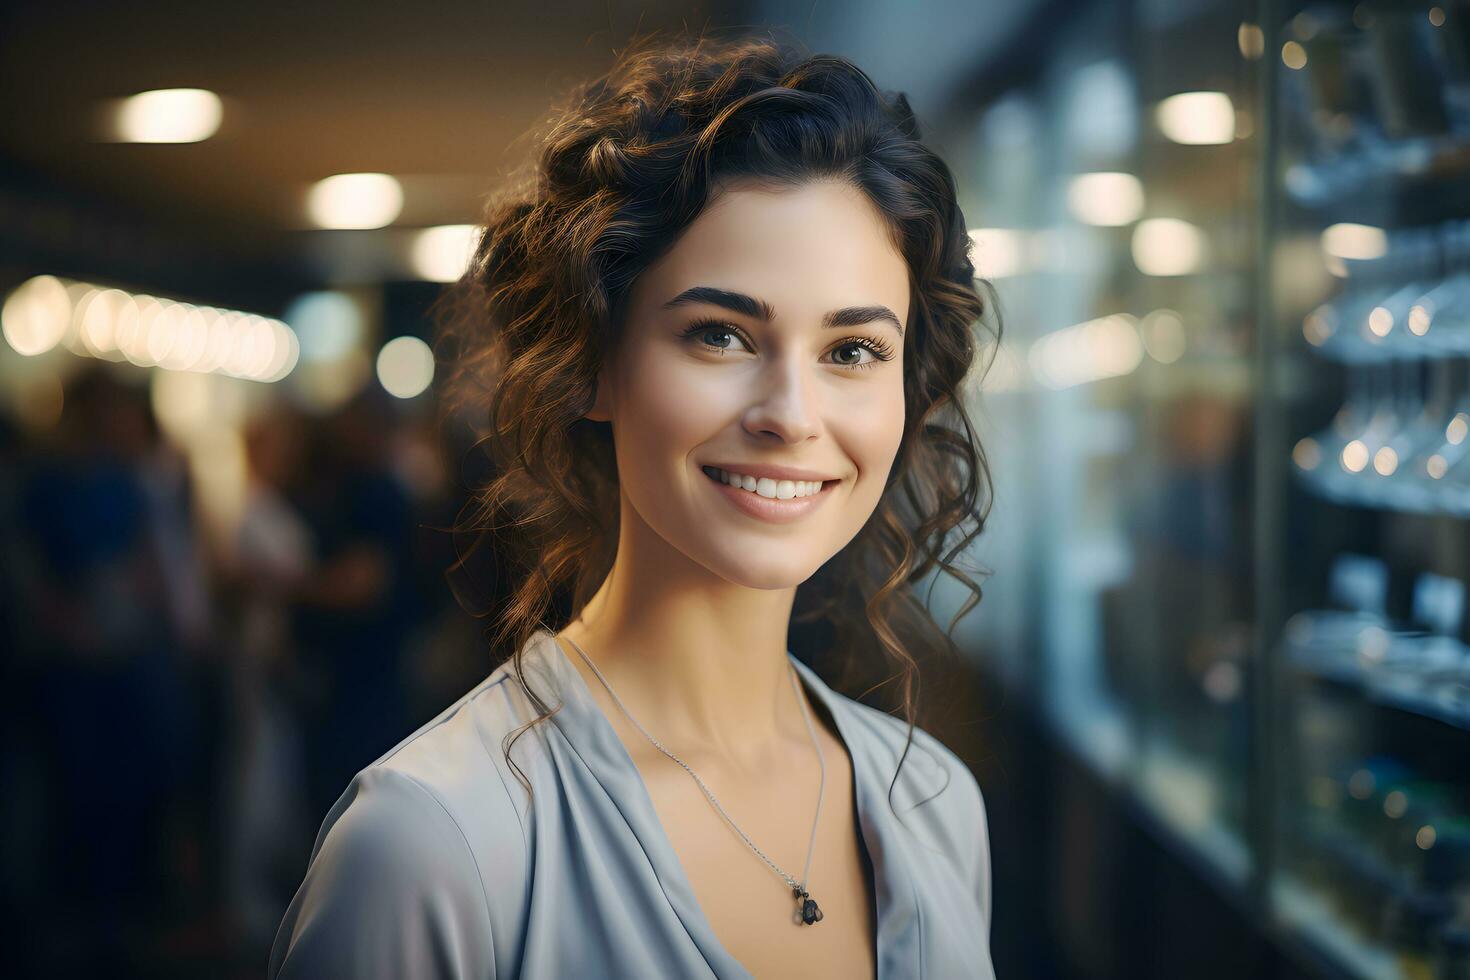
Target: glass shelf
(1236,444)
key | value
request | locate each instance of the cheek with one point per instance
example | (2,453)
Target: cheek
(664,412)
(872,428)
(875,449)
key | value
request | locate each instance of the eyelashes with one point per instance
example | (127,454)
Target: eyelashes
(882,350)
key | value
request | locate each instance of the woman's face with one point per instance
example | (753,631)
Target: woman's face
(726,360)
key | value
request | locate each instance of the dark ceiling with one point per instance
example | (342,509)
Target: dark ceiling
(441,95)
(436,93)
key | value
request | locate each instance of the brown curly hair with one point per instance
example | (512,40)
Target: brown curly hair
(625,166)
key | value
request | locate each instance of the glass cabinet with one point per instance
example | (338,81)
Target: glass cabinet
(1230,431)
(1369,288)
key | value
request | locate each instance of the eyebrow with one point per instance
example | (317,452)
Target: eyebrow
(848,316)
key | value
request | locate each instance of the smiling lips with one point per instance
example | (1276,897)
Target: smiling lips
(777,501)
(766,486)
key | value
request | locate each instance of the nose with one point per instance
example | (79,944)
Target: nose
(786,406)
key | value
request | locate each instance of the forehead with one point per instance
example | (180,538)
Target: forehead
(805,250)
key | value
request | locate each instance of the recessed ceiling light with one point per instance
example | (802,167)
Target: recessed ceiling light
(442,253)
(169,115)
(355,201)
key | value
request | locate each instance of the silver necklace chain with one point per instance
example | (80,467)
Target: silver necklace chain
(797,887)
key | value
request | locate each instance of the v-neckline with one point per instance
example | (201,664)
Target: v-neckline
(591,732)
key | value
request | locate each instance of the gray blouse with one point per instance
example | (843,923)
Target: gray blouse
(435,863)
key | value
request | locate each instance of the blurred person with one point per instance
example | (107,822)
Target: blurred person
(106,649)
(22,775)
(319,569)
(736,257)
(11,456)
(352,623)
(270,565)
(446,658)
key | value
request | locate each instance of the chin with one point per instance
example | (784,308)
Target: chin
(763,572)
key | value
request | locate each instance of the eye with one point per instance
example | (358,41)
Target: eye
(706,328)
(880,350)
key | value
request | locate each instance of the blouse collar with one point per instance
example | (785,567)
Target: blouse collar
(583,723)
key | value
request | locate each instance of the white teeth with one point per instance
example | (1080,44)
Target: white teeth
(766,487)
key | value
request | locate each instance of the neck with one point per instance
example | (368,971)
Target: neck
(699,661)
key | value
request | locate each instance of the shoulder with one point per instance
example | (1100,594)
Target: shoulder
(392,889)
(399,878)
(936,792)
(390,827)
(458,759)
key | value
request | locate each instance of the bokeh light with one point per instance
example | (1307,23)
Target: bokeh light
(1167,247)
(1107,199)
(405,367)
(148,331)
(169,115)
(443,253)
(1197,118)
(355,201)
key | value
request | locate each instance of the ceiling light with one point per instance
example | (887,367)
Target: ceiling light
(355,201)
(169,115)
(442,254)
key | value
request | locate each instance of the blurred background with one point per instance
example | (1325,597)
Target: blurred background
(1217,693)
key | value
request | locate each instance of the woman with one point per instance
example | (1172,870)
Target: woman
(724,326)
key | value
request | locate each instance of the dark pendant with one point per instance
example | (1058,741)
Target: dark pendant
(810,914)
